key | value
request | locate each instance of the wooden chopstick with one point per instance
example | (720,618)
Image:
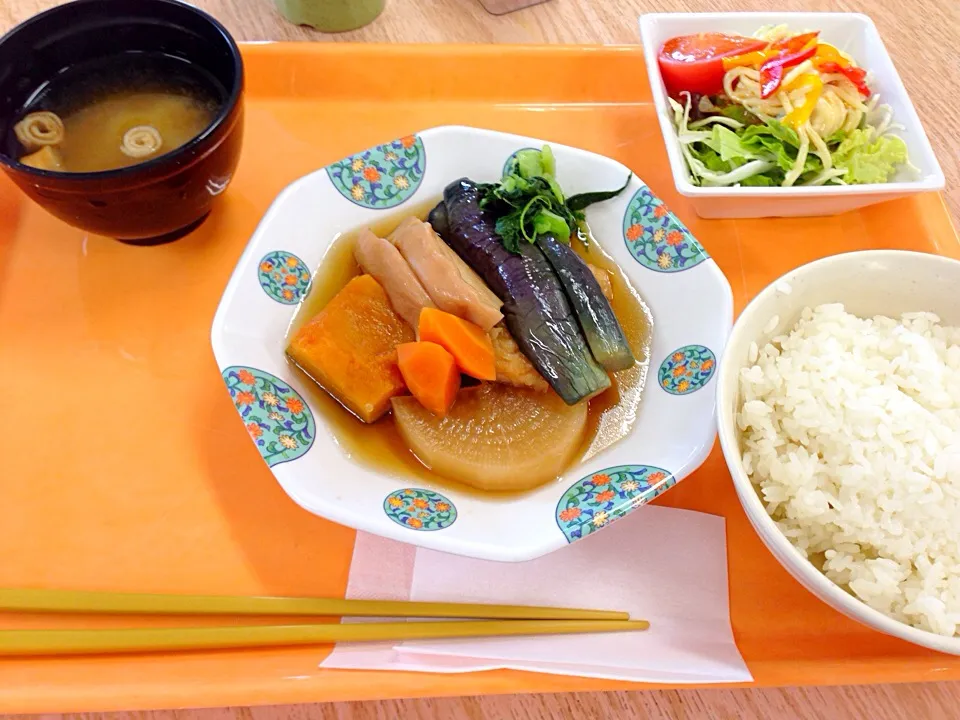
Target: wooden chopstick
(77,601)
(87,642)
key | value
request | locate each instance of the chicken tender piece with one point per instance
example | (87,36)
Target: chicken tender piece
(513,367)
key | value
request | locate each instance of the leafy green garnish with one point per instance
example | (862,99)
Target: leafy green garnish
(584,200)
(712,160)
(527,164)
(528,201)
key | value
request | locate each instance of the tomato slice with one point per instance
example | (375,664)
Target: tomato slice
(694,62)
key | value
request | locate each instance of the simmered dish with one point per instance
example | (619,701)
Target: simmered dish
(488,337)
(114,113)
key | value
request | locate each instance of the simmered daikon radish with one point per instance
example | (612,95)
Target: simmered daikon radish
(495,437)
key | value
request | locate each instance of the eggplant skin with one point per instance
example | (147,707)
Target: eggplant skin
(597,320)
(535,306)
(438,219)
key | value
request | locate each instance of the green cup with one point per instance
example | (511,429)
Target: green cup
(331,15)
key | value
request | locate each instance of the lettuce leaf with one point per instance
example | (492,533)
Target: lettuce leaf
(786,135)
(867,161)
(771,135)
(728,145)
(778,143)
(739,113)
(711,159)
(838,137)
(768,180)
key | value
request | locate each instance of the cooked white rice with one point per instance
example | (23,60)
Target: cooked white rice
(851,431)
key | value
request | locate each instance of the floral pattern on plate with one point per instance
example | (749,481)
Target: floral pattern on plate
(656,238)
(687,369)
(420,509)
(383,176)
(283,277)
(597,500)
(274,414)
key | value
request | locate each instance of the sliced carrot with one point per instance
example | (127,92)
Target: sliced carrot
(468,343)
(431,375)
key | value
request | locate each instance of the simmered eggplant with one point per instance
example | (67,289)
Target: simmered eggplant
(600,326)
(535,306)
(438,219)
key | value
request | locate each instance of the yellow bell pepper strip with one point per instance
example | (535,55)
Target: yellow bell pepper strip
(750,59)
(796,82)
(828,54)
(802,112)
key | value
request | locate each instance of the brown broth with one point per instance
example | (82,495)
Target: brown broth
(380,446)
(614,413)
(100,101)
(94,134)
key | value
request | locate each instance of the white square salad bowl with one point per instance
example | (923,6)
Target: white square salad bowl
(852,33)
(688,296)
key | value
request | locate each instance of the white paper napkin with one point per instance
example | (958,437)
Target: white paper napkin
(664,565)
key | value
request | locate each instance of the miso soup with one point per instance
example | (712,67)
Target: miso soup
(115,112)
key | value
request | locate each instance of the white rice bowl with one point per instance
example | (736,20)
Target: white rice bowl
(850,431)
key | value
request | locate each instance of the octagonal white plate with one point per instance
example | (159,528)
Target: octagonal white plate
(688,296)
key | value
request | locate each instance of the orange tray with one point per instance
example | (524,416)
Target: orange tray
(124,466)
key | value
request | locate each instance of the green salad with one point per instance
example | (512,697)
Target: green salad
(776,110)
(726,151)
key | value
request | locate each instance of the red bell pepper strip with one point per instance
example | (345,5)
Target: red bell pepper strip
(756,58)
(771,72)
(770,78)
(855,75)
(795,43)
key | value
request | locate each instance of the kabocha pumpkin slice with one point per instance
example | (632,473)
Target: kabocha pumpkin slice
(431,375)
(495,437)
(349,348)
(470,346)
